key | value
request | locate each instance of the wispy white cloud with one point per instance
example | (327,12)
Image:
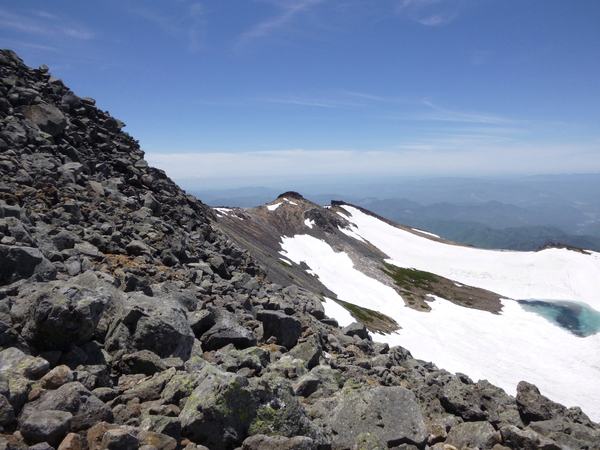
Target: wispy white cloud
(431,12)
(41,23)
(187,22)
(318,102)
(437,19)
(438,113)
(290,9)
(22,45)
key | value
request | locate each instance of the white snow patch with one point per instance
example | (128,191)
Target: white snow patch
(274,207)
(353,234)
(425,232)
(550,274)
(222,211)
(309,223)
(504,349)
(335,310)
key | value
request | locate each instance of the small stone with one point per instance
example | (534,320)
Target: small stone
(57,377)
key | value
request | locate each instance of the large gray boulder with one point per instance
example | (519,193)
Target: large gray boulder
(49,426)
(225,408)
(151,323)
(389,414)
(65,315)
(73,398)
(47,117)
(533,406)
(226,331)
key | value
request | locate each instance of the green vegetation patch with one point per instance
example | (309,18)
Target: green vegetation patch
(407,278)
(373,320)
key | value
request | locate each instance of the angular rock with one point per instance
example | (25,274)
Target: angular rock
(73,441)
(284,328)
(86,409)
(390,413)
(225,408)
(48,117)
(18,263)
(119,439)
(144,361)
(155,324)
(227,331)
(480,435)
(57,377)
(533,406)
(356,329)
(65,315)
(310,352)
(49,426)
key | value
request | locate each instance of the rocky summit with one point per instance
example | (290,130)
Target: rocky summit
(129,320)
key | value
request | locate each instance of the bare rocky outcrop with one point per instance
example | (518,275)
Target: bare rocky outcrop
(128,320)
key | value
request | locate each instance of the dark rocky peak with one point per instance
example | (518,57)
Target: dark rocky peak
(291,194)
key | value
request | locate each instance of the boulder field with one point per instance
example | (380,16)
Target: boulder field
(127,321)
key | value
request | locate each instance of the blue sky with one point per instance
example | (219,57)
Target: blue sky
(244,91)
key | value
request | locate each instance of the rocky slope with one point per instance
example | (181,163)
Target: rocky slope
(128,321)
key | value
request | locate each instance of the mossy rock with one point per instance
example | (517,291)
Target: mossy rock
(225,408)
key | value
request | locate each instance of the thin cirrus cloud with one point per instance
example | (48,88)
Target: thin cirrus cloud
(188,24)
(44,24)
(289,11)
(430,12)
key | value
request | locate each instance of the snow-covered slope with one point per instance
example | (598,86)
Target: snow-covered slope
(502,348)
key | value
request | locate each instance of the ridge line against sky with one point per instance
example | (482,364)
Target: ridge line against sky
(316,88)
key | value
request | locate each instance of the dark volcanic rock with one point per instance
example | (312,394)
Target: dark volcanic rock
(17,263)
(533,406)
(65,315)
(49,426)
(285,329)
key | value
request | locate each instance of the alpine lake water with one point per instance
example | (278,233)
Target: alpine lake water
(576,317)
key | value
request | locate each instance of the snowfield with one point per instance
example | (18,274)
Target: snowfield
(504,349)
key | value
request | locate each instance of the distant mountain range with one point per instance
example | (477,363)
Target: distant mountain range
(515,213)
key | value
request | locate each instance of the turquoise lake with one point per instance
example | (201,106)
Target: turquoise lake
(579,318)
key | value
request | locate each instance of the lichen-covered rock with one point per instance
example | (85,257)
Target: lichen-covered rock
(533,406)
(219,411)
(309,351)
(390,413)
(224,409)
(147,323)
